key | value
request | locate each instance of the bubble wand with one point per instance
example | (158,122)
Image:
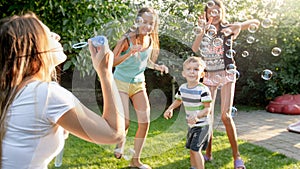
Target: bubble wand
(96,42)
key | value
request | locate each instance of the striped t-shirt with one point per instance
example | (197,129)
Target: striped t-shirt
(193,99)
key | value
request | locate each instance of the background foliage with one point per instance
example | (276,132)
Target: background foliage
(78,20)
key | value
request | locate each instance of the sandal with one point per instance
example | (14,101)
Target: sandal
(143,166)
(206,158)
(239,163)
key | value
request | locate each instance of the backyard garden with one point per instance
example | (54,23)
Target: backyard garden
(267,59)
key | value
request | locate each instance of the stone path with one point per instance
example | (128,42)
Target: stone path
(268,130)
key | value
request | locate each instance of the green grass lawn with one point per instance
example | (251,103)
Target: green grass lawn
(164,149)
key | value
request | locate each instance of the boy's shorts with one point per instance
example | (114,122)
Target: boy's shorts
(197,138)
(130,88)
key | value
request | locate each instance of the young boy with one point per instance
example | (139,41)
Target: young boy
(196,99)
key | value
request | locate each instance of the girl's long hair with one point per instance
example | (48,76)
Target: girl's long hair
(23,53)
(154,33)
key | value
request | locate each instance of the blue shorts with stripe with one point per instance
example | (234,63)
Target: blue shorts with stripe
(197,138)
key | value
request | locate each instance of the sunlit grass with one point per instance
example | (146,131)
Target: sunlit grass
(164,149)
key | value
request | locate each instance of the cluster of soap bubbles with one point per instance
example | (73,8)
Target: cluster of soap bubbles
(267,74)
(210,38)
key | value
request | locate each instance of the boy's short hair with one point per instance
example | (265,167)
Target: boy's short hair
(195,59)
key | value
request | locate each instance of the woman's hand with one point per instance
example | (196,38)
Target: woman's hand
(102,58)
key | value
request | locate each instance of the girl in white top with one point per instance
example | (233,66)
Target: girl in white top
(34,109)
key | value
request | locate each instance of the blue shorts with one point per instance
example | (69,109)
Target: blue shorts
(197,138)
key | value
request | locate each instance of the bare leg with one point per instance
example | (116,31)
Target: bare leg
(213,90)
(227,95)
(120,146)
(196,159)
(142,108)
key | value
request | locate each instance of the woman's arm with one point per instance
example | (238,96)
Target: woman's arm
(82,122)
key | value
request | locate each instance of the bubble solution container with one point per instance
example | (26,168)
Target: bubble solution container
(100,41)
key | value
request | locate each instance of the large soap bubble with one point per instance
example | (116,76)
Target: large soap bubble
(266,23)
(250,39)
(210,4)
(253,28)
(245,54)
(266,74)
(276,51)
(230,53)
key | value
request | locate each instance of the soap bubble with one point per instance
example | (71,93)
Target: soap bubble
(204,51)
(210,4)
(233,111)
(252,28)
(205,40)
(217,42)
(266,74)
(230,68)
(190,18)
(250,39)
(217,79)
(197,30)
(245,54)
(266,23)
(230,53)
(139,20)
(211,32)
(202,22)
(228,42)
(214,12)
(276,51)
(237,75)
(234,76)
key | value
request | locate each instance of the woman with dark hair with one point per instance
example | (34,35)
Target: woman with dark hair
(34,109)
(214,45)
